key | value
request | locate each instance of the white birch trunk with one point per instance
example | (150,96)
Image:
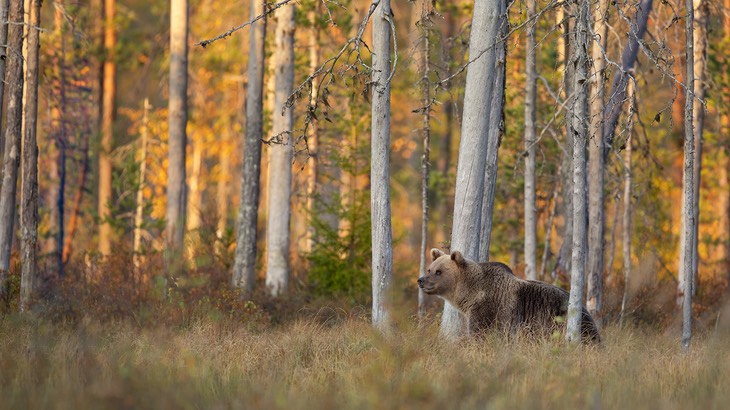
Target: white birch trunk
(626,235)
(381,230)
(280,157)
(698,110)
(529,154)
(579,127)
(139,211)
(4,7)
(13,137)
(596,216)
(425,69)
(177,137)
(487,23)
(688,213)
(244,267)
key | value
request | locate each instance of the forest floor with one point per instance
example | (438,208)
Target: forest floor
(343,363)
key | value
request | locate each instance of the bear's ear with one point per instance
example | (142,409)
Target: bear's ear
(457,257)
(436,253)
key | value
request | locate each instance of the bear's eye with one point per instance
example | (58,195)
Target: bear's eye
(438,273)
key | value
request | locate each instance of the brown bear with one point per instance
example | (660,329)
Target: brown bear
(491,296)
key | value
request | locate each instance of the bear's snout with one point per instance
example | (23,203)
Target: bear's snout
(420,281)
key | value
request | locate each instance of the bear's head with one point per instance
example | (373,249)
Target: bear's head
(443,274)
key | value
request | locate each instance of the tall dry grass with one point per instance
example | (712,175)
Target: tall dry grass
(344,364)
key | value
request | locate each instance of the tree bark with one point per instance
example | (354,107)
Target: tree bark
(195,199)
(549,226)
(381,230)
(315,157)
(29,195)
(177,137)
(425,69)
(4,7)
(530,140)
(13,135)
(579,127)
(596,216)
(280,157)
(139,211)
(244,267)
(107,128)
(489,20)
(688,213)
(626,239)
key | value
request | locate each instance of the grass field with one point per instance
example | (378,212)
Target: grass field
(344,364)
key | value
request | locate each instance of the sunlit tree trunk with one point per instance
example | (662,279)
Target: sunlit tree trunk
(483,82)
(425,69)
(29,194)
(529,154)
(4,7)
(581,63)
(244,267)
(626,236)
(596,167)
(107,127)
(13,136)
(139,210)
(222,191)
(195,201)
(688,213)
(726,126)
(382,235)
(177,137)
(280,157)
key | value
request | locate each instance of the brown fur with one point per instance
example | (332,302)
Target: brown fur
(490,296)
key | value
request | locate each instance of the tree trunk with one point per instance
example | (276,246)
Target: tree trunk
(626,240)
(177,137)
(581,63)
(195,199)
(4,7)
(488,22)
(139,211)
(529,154)
(549,226)
(381,230)
(726,126)
(698,110)
(29,195)
(425,69)
(315,158)
(107,128)
(13,126)
(280,157)
(594,299)
(617,96)
(244,267)
(222,190)
(688,213)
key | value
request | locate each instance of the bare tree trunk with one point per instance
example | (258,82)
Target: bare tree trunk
(280,157)
(579,127)
(78,197)
(688,213)
(549,226)
(4,7)
(482,78)
(177,137)
(29,195)
(425,69)
(195,198)
(315,158)
(381,230)
(222,190)
(617,96)
(700,62)
(626,240)
(530,141)
(244,267)
(107,128)
(13,135)
(596,243)
(139,211)
(726,126)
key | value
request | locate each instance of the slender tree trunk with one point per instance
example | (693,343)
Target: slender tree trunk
(626,240)
(688,213)
(4,7)
(107,128)
(726,126)
(425,69)
(315,158)
(29,195)
(549,226)
(596,216)
(177,137)
(280,157)
(78,197)
(482,77)
(581,63)
(617,95)
(195,201)
(244,267)
(13,135)
(222,190)
(698,110)
(139,211)
(381,230)
(530,140)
